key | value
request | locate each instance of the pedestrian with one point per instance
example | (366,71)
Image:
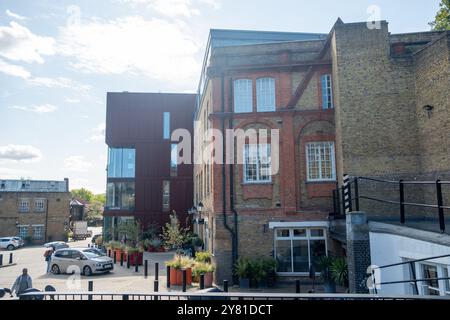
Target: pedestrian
(48,258)
(22,283)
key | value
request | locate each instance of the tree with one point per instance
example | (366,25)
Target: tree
(442,19)
(173,233)
(82,194)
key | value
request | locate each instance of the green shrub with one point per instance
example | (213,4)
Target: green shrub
(203,256)
(180,262)
(202,268)
(242,268)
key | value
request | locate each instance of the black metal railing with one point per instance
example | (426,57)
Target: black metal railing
(234,296)
(342,205)
(412,267)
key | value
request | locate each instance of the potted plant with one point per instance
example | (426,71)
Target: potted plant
(177,265)
(203,256)
(174,234)
(241,270)
(136,255)
(116,249)
(257,273)
(339,272)
(206,269)
(157,245)
(270,267)
(324,264)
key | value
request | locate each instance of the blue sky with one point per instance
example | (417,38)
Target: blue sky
(59,58)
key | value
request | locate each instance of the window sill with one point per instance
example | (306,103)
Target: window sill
(256,183)
(320,181)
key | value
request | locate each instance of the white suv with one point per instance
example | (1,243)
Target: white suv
(85,260)
(9,243)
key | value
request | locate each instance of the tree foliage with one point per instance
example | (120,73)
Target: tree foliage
(173,233)
(442,19)
(82,194)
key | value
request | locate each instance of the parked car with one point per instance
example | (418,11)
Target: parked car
(9,243)
(86,259)
(56,245)
(95,250)
(20,240)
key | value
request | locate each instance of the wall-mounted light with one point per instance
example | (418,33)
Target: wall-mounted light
(429,110)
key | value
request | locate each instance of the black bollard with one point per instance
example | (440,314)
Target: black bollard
(202,281)
(1,259)
(109,253)
(225,285)
(168,277)
(121,258)
(184,280)
(297,286)
(128,261)
(156,270)
(145,269)
(136,263)
(156,285)
(115,258)
(10,258)
(90,288)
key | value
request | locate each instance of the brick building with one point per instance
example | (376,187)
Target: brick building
(359,101)
(144,183)
(38,210)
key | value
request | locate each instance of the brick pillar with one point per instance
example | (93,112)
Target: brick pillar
(358,251)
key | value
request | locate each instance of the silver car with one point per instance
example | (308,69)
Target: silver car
(83,260)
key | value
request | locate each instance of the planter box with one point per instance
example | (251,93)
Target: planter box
(209,277)
(176,277)
(244,283)
(136,256)
(117,253)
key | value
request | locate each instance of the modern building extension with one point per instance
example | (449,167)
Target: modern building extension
(37,211)
(144,182)
(358,101)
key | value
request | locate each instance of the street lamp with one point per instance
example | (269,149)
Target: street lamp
(200,209)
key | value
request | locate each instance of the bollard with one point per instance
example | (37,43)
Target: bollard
(115,258)
(136,263)
(1,259)
(10,258)
(202,281)
(128,261)
(90,288)
(297,286)
(184,280)
(145,269)
(225,285)
(121,258)
(168,277)
(109,253)
(156,270)
(156,285)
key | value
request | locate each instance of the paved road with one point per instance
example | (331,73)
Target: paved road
(119,280)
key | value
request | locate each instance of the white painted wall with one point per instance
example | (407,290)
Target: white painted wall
(389,249)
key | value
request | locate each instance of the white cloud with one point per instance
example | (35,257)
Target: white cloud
(176,8)
(13,15)
(98,133)
(18,43)
(77,163)
(58,83)
(9,173)
(155,48)
(77,183)
(14,70)
(71,100)
(43,108)
(19,153)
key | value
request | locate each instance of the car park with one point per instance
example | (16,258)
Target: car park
(86,260)
(10,243)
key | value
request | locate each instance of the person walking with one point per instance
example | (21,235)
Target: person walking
(48,258)
(22,283)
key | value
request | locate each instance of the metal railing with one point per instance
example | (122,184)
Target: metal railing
(178,296)
(342,204)
(412,267)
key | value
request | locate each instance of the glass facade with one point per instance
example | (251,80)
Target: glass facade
(120,195)
(121,163)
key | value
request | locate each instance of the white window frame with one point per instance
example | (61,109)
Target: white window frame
(34,228)
(327,91)
(22,207)
(291,238)
(38,208)
(441,289)
(19,233)
(265,95)
(258,164)
(320,144)
(165,196)
(243,95)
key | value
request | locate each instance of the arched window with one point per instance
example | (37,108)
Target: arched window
(265,94)
(243,95)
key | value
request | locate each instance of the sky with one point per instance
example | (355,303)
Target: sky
(58,59)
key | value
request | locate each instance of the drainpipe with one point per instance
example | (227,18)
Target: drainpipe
(225,222)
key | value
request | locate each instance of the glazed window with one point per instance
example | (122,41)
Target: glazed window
(296,249)
(173,159)
(265,94)
(320,161)
(120,195)
(243,96)
(23,231)
(38,232)
(39,205)
(121,163)
(24,205)
(166,195)
(166,125)
(327,92)
(257,163)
